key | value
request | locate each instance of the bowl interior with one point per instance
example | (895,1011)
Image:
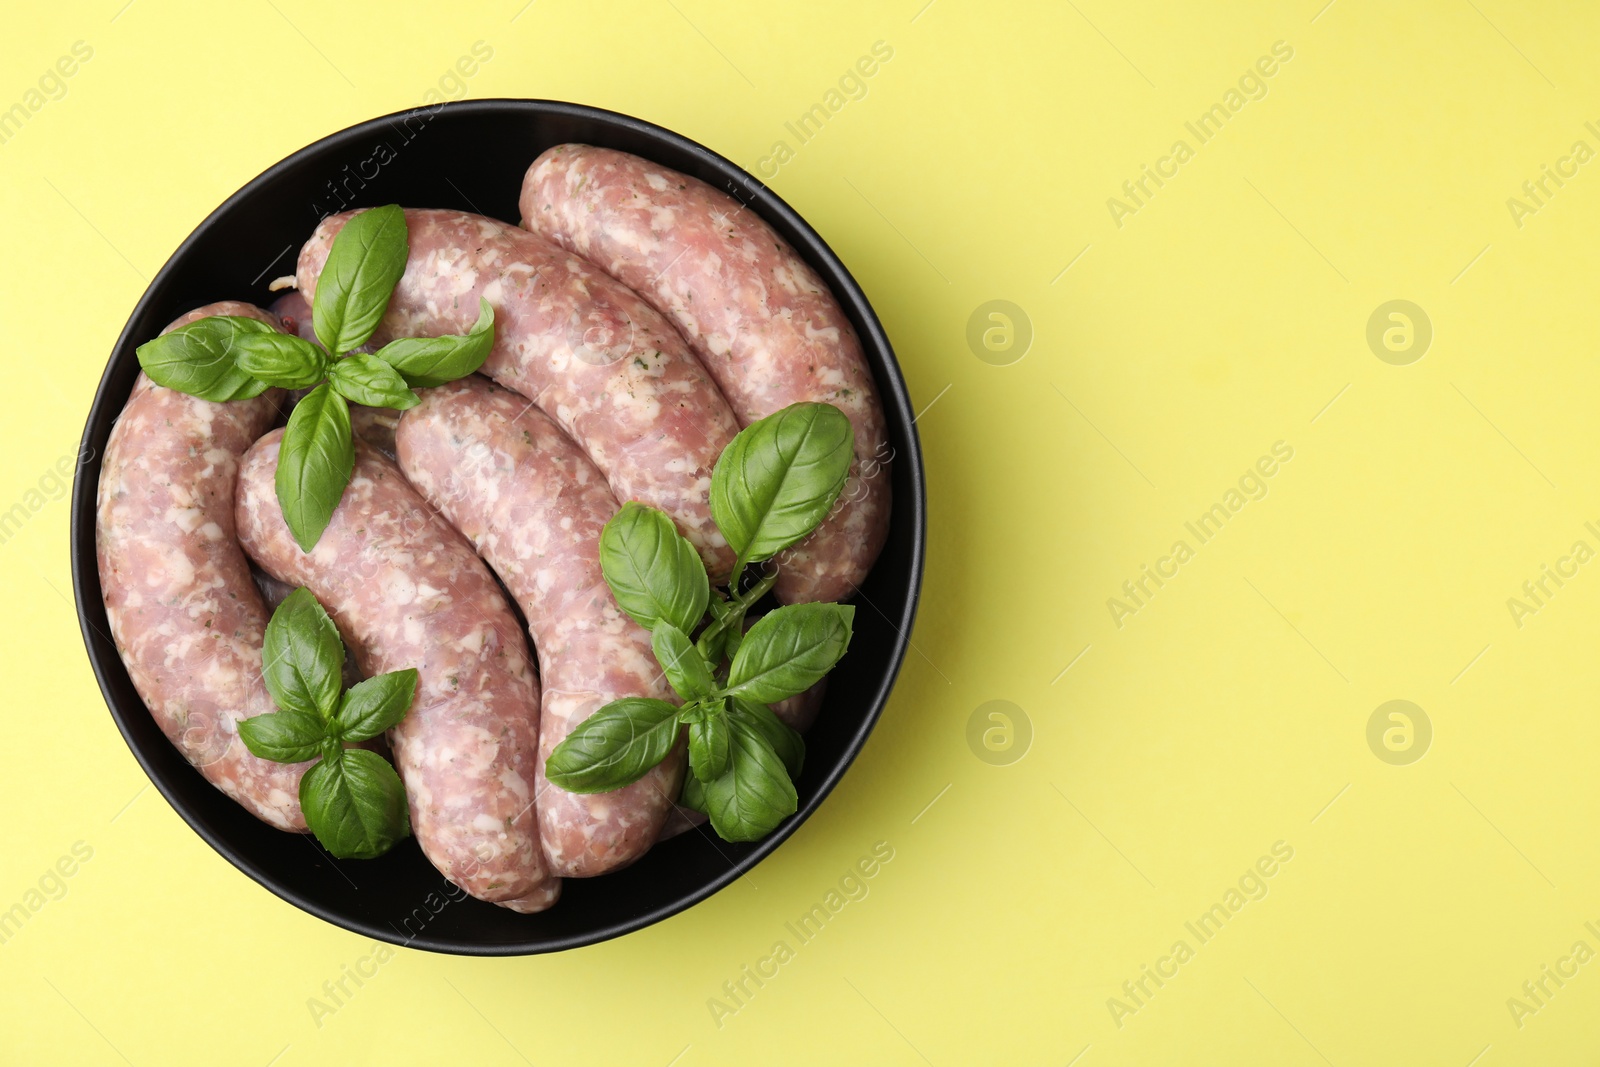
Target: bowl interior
(471,156)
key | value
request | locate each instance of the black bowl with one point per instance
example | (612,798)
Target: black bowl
(471,156)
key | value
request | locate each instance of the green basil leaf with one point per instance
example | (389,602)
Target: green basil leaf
(373,706)
(283,736)
(430,361)
(758,718)
(708,745)
(695,711)
(779,477)
(314,464)
(653,571)
(615,746)
(301,656)
(354,804)
(754,794)
(201,359)
(281,359)
(687,671)
(788,651)
(369,380)
(366,261)
(693,794)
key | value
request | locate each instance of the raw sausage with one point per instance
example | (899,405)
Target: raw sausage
(763,324)
(294,311)
(407,591)
(507,477)
(185,614)
(530,501)
(585,348)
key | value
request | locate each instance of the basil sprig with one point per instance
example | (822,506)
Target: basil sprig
(777,480)
(771,487)
(363,267)
(352,799)
(615,746)
(653,572)
(428,361)
(789,651)
(317,453)
(202,358)
(224,358)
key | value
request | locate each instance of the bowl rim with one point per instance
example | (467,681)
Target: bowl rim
(85,569)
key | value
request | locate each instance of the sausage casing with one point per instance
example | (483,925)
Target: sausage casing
(527,497)
(406,590)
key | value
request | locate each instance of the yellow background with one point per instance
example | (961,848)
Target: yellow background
(1230,712)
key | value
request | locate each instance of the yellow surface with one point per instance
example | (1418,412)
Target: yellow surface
(1228,712)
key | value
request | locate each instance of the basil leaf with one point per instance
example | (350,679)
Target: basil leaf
(693,794)
(754,794)
(653,571)
(615,746)
(281,359)
(758,718)
(779,477)
(372,706)
(429,361)
(201,359)
(687,671)
(696,710)
(708,745)
(301,656)
(369,380)
(366,261)
(354,804)
(788,650)
(314,464)
(283,736)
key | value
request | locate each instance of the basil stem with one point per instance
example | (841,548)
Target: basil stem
(733,617)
